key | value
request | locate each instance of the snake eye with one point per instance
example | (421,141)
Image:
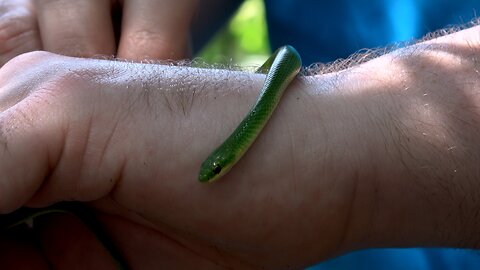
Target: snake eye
(216,169)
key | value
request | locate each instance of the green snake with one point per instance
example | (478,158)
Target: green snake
(281,68)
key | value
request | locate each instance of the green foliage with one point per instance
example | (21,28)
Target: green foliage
(243,41)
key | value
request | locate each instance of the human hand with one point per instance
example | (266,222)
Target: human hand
(129,139)
(333,170)
(147,30)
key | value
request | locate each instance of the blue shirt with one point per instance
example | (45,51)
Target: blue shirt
(323,31)
(404,258)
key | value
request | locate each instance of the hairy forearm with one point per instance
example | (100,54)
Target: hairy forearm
(422,102)
(380,154)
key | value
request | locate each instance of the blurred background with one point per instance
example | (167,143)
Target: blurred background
(243,41)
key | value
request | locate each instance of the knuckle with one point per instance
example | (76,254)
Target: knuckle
(46,78)
(144,38)
(157,45)
(25,60)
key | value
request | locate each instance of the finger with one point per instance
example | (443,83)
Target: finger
(18,29)
(76,28)
(156,29)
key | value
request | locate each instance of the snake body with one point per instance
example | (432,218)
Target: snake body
(282,67)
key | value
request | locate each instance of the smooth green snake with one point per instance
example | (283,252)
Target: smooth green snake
(281,68)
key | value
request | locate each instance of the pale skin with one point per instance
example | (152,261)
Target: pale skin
(383,154)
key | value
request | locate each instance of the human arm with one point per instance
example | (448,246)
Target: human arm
(351,159)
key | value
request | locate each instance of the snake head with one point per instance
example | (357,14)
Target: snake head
(217,165)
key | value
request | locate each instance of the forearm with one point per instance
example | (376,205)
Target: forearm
(377,155)
(422,104)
